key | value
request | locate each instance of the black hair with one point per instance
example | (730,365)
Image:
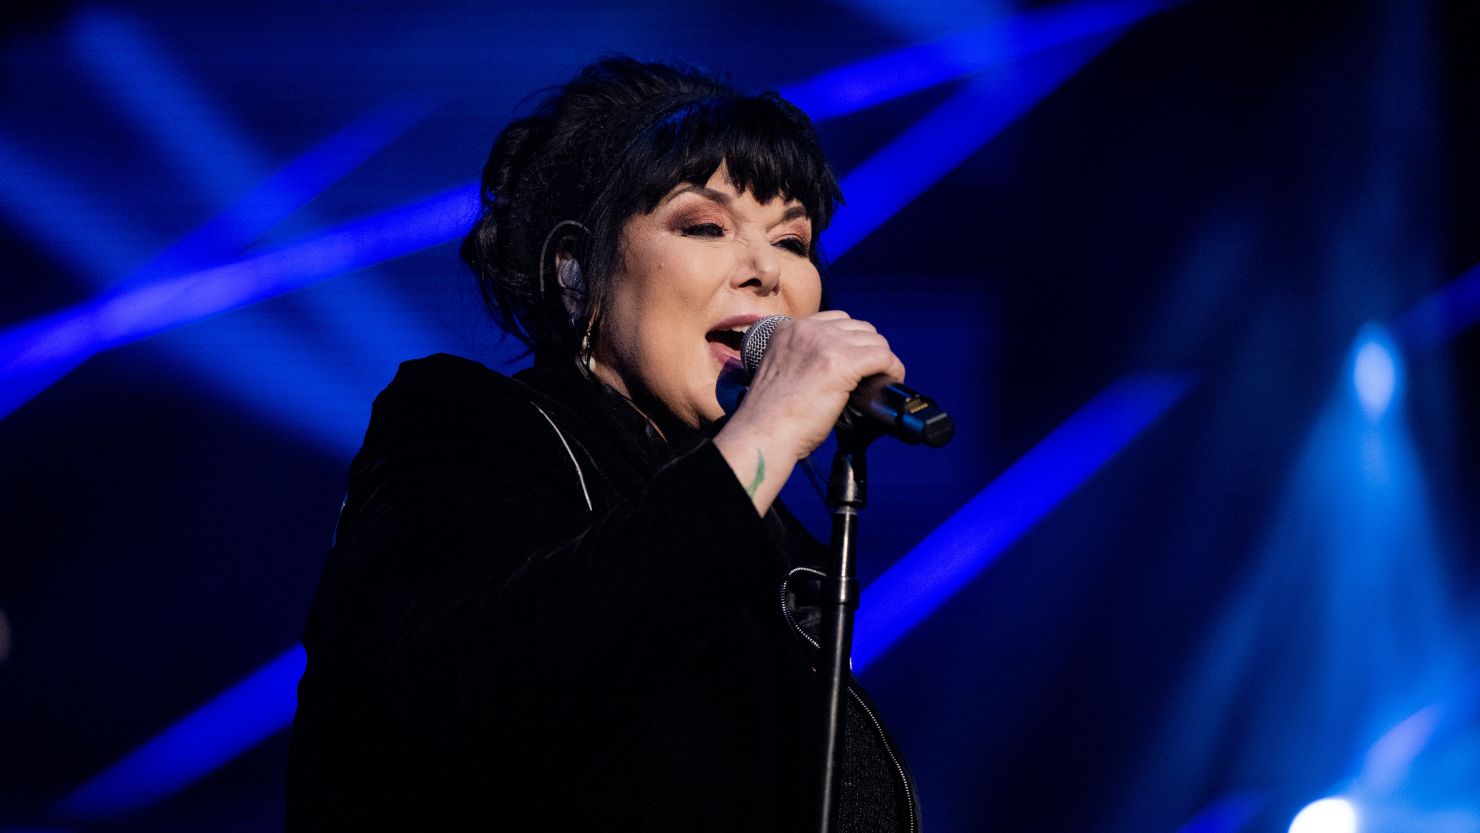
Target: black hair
(607,146)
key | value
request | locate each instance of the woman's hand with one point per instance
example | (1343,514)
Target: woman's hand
(812,366)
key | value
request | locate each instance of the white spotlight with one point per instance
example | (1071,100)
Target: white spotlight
(1376,373)
(1329,815)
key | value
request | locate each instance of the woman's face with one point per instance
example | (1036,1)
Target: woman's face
(696,271)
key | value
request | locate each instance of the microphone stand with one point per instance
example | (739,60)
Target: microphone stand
(846,494)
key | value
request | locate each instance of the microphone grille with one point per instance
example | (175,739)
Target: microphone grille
(757,340)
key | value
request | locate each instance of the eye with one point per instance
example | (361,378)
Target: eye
(795,245)
(704,230)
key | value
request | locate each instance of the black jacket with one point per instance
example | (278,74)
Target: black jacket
(536,616)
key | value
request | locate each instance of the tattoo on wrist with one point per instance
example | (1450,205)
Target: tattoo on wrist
(760,473)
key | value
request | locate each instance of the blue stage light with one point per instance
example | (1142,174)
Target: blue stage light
(1443,314)
(371,327)
(865,84)
(1008,507)
(280,195)
(178,118)
(934,146)
(1329,815)
(215,733)
(1229,814)
(128,316)
(924,21)
(1388,760)
(1376,371)
(61,216)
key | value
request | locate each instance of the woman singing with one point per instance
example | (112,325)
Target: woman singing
(569,600)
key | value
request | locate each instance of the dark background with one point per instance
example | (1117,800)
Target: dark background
(1220,625)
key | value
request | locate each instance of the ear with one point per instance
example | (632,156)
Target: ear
(572,284)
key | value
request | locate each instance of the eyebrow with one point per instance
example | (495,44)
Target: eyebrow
(724,199)
(792,213)
(704,191)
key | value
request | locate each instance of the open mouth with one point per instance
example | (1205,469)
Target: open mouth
(729,338)
(724,344)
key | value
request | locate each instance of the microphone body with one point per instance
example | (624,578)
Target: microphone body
(886,405)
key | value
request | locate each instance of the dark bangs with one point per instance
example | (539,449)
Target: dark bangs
(768,146)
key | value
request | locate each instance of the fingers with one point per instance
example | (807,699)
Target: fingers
(852,347)
(811,368)
(843,320)
(877,358)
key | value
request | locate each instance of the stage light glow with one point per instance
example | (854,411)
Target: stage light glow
(1229,814)
(372,329)
(973,537)
(1443,314)
(1375,371)
(62,217)
(128,316)
(59,214)
(934,146)
(360,332)
(925,21)
(1329,815)
(865,84)
(1389,759)
(181,120)
(238,719)
(280,195)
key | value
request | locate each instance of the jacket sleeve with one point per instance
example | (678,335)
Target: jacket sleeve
(471,576)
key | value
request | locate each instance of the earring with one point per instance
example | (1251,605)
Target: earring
(586,346)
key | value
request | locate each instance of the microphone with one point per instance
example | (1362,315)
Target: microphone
(897,410)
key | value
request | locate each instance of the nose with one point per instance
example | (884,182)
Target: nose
(762,269)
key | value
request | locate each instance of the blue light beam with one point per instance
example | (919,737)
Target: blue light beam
(61,217)
(52,210)
(1442,315)
(979,532)
(868,83)
(181,119)
(1229,814)
(925,21)
(367,330)
(282,194)
(934,146)
(124,317)
(234,722)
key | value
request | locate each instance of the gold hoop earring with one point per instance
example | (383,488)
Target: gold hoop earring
(586,346)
